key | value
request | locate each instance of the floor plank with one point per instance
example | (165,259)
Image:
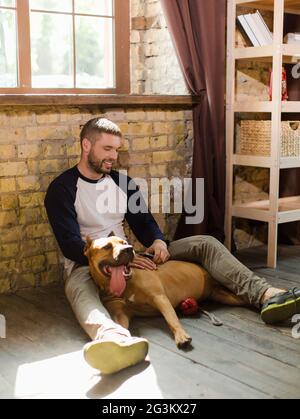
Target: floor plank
(42,355)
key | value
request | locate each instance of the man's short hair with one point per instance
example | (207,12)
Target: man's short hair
(98,126)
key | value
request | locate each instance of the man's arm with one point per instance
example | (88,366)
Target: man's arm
(143,223)
(61,212)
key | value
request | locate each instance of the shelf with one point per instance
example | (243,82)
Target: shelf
(246,53)
(263,106)
(291,6)
(289,162)
(290,53)
(265,162)
(288,210)
(256,107)
(290,107)
(252,161)
(274,211)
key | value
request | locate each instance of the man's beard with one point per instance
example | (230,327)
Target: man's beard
(97,165)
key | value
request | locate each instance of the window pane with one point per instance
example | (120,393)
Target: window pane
(95,7)
(8,49)
(94,52)
(52,5)
(51,50)
(8,3)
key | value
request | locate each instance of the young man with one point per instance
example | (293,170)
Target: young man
(74,204)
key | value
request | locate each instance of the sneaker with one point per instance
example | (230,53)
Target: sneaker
(112,356)
(281,307)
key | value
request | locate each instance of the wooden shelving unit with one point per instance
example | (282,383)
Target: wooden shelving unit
(275,211)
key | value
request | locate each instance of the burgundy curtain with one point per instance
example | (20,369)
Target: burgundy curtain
(197,29)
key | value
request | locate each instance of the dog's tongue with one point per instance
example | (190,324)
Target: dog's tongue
(117,281)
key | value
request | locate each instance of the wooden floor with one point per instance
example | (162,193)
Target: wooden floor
(42,355)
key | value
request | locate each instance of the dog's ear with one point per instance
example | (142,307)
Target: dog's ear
(89,241)
(112,234)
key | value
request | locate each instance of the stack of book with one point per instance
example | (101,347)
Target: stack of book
(256,29)
(292,38)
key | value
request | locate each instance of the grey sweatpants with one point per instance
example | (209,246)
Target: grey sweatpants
(206,251)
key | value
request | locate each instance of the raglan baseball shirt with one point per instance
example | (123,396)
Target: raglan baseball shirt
(78,207)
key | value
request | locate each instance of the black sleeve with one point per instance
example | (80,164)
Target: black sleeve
(142,224)
(59,203)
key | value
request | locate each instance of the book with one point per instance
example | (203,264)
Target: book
(248,30)
(292,38)
(264,27)
(256,29)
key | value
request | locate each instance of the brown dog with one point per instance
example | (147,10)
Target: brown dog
(128,292)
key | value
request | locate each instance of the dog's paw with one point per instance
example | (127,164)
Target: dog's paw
(182,339)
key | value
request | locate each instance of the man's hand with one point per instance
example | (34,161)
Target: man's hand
(160,250)
(142,262)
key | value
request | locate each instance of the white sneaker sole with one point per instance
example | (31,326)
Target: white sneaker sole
(110,357)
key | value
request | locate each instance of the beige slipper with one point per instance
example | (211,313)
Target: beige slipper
(112,356)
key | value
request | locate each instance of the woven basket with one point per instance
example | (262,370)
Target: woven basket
(255,138)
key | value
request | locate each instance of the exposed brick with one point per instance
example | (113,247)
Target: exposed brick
(5,285)
(13,169)
(8,218)
(38,230)
(47,118)
(54,274)
(9,202)
(156,115)
(140,158)
(74,149)
(12,135)
(12,234)
(52,150)
(7,152)
(31,200)
(52,258)
(136,115)
(53,166)
(145,128)
(47,133)
(140,144)
(175,116)
(137,172)
(9,250)
(33,264)
(7,185)
(7,266)
(166,156)
(30,151)
(159,141)
(138,23)
(158,170)
(72,115)
(23,281)
(28,183)
(31,247)
(30,216)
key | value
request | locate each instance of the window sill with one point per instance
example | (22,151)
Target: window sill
(107,100)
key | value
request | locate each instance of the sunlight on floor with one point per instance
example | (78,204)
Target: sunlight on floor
(68,376)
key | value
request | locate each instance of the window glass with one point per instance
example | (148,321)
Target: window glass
(51,50)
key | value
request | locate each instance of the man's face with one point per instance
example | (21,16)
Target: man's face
(104,153)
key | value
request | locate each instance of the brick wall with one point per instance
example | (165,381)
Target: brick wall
(154,65)
(36,144)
